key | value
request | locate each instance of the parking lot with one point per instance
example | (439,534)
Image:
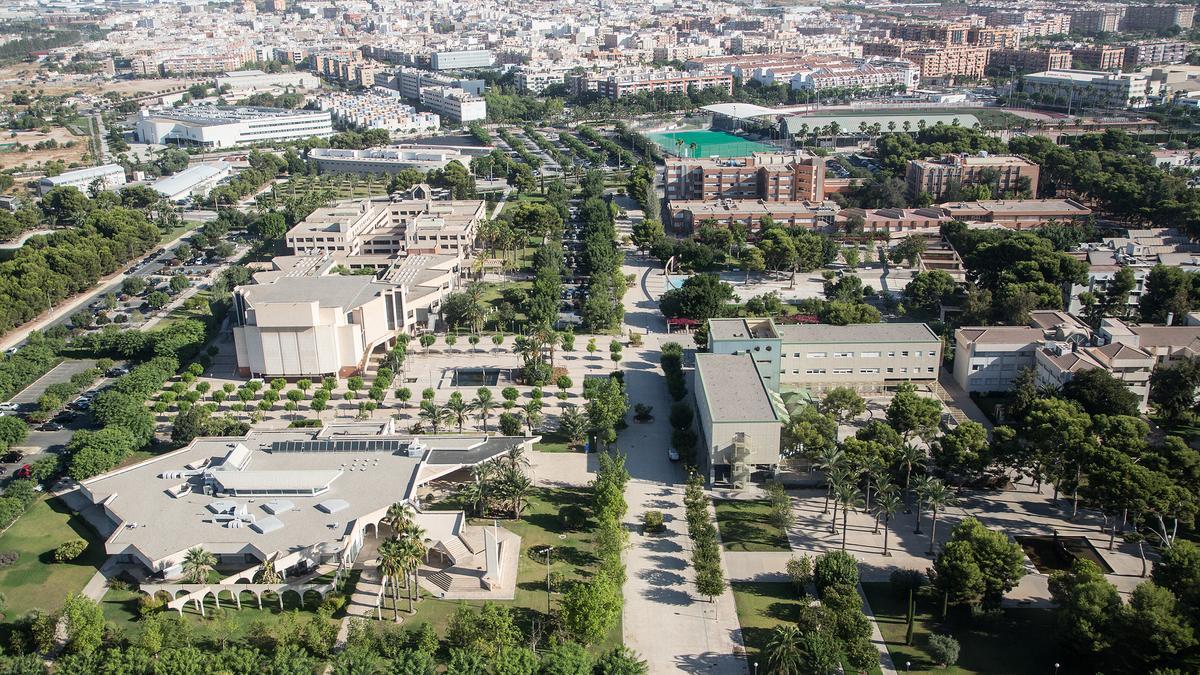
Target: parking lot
(60,373)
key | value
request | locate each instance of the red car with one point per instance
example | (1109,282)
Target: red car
(24,472)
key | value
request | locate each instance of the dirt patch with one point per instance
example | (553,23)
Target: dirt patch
(10,156)
(30,76)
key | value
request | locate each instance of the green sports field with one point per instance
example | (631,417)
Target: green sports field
(708,143)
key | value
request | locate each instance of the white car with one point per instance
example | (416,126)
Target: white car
(9,406)
(673,454)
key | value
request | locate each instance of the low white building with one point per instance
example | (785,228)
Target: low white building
(194,181)
(110,177)
(378,111)
(454,104)
(390,159)
(1077,89)
(210,126)
(246,82)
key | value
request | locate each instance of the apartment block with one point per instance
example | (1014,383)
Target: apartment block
(1095,21)
(935,62)
(995,37)
(454,104)
(772,177)
(1005,61)
(1004,173)
(473,58)
(671,82)
(1100,57)
(1155,53)
(1153,18)
(686,216)
(863,74)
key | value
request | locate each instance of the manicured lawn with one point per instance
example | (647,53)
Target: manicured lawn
(200,313)
(746,526)
(541,524)
(553,441)
(761,606)
(35,581)
(121,608)
(1022,641)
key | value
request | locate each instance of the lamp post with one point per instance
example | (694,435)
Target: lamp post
(756,668)
(1056,666)
(907,665)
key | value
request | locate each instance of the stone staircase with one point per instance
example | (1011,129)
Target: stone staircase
(457,550)
(366,593)
(451,580)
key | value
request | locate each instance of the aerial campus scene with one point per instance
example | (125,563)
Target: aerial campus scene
(571,338)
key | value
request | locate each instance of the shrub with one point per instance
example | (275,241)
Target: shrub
(653,521)
(841,598)
(70,550)
(944,649)
(148,604)
(642,412)
(8,557)
(835,568)
(800,571)
(304,423)
(331,604)
(684,440)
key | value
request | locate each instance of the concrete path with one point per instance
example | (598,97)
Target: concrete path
(886,665)
(664,620)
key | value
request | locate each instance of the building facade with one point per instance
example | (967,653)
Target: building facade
(770,177)
(224,126)
(107,177)
(1003,173)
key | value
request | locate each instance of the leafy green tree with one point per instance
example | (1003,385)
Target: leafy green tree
(1152,630)
(590,610)
(912,414)
(567,658)
(927,291)
(963,449)
(843,403)
(1087,607)
(1100,393)
(621,661)
(701,297)
(84,623)
(978,565)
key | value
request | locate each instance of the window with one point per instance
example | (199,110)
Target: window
(843,371)
(906,354)
(815,371)
(843,355)
(816,355)
(870,355)
(929,370)
(869,371)
(891,354)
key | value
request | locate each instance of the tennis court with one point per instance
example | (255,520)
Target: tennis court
(707,144)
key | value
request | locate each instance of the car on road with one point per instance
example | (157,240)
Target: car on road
(25,471)
(66,416)
(673,454)
(9,405)
(12,456)
(116,371)
(51,426)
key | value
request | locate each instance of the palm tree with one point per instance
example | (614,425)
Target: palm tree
(516,487)
(922,483)
(413,550)
(434,414)
(826,462)
(937,497)
(391,566)
(198,564)
(910,456)
(849,497)
(784,656)
(483,403)
(887,503)
(532,412)
(398,516)
(485,475)
(516,457)
(457,409)
(267,573)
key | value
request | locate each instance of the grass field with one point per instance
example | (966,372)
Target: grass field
(746,526)
(552,441)
(35,581)
(540,525)
(708,143)
(761,606)
(1022,641)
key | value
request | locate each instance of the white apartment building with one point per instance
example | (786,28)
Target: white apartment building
(378,111)
(454,104)
(389,159)
(1091,88)
(534,81)
(858,74)
(211,126)
(110,177)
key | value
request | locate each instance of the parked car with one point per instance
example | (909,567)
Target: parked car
(12,456)
(25,471)
(673,454)
(51,426)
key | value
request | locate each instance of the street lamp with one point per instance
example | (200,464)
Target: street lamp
(548,550)
(756,668)
(907,665)
(1056,666)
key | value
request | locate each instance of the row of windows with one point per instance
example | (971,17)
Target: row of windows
(865,355)
(862,371)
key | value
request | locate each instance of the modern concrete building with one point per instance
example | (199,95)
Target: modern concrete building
(375,110)
(1005,61)
(390,227)
(308,319)
(935,62)
(194,181)
(815,357)
(388,160)
(1095,21)
(454,104)
(740,418)
(988,358)
(668,81)
(1153,18)
(210,126)
(687,215)
(1005,173)
(452,60)
(1075,89)
(107,177)
(298,497)
(1155,53)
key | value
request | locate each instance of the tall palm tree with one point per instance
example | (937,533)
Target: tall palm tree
(922,483)
(887,503)
(398,515)
(413,550)
(826,462)
(267,573)
(937,498)
(784,655)
(517,457)
(532,412)
(484,404)
(391,567)
(198,564)
(849,497)
(839,476)
(457,410)
(910,456)
(515,486)
(485,477)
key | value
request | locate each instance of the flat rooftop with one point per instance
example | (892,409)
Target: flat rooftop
(733,388)
(858,332)
(734,329)
(314,483)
